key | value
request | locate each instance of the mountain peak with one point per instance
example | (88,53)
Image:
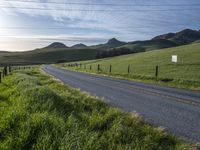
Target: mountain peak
(115,42)
(187,30)
(185,36)
(56,45)
(79,46)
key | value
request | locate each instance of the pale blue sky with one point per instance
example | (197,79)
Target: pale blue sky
(127,20)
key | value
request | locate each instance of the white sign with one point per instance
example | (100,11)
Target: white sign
(174,58)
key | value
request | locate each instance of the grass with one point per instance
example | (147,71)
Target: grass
(184,74)
(37,112)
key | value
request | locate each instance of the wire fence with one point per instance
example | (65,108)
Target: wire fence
(7,70)
(167,72)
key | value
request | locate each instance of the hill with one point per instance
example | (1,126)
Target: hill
(53,53)
(55,45)
(79,46)
(111,43)
(114,42)
(186,36)
(43,56)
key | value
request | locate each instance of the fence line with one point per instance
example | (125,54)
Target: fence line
(7,70)
(99,68)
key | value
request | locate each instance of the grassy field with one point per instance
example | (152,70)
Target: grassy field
(37,112)
(186,73)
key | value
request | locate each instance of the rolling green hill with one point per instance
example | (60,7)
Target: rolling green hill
(41,56)
(53,53)
(58,52)
(143,64)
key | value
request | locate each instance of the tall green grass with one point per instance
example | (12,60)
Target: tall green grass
(37,112)
(142,66)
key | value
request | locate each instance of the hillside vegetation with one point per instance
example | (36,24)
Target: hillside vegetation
(38,112)
(142,65)
(43,56)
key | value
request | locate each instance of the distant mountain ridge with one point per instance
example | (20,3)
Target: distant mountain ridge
(186,36)
(183,37)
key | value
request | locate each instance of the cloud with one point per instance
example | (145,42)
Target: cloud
(90,19)
(48,38)
(92,27)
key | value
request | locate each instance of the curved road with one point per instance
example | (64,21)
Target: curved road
(175,109)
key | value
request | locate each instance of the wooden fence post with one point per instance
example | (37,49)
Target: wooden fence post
(98,67)
(110,70)
(90,67)
(156,72)
(9,69)
(0,77)
(128,69)
(5,71)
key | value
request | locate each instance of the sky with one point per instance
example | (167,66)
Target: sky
(30,24)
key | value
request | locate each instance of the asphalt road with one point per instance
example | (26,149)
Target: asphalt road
(176,110)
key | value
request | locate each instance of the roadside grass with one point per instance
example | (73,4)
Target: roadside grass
(38,112)
(184,74)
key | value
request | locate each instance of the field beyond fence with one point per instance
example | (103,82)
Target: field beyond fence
(152,65)
(182,73)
